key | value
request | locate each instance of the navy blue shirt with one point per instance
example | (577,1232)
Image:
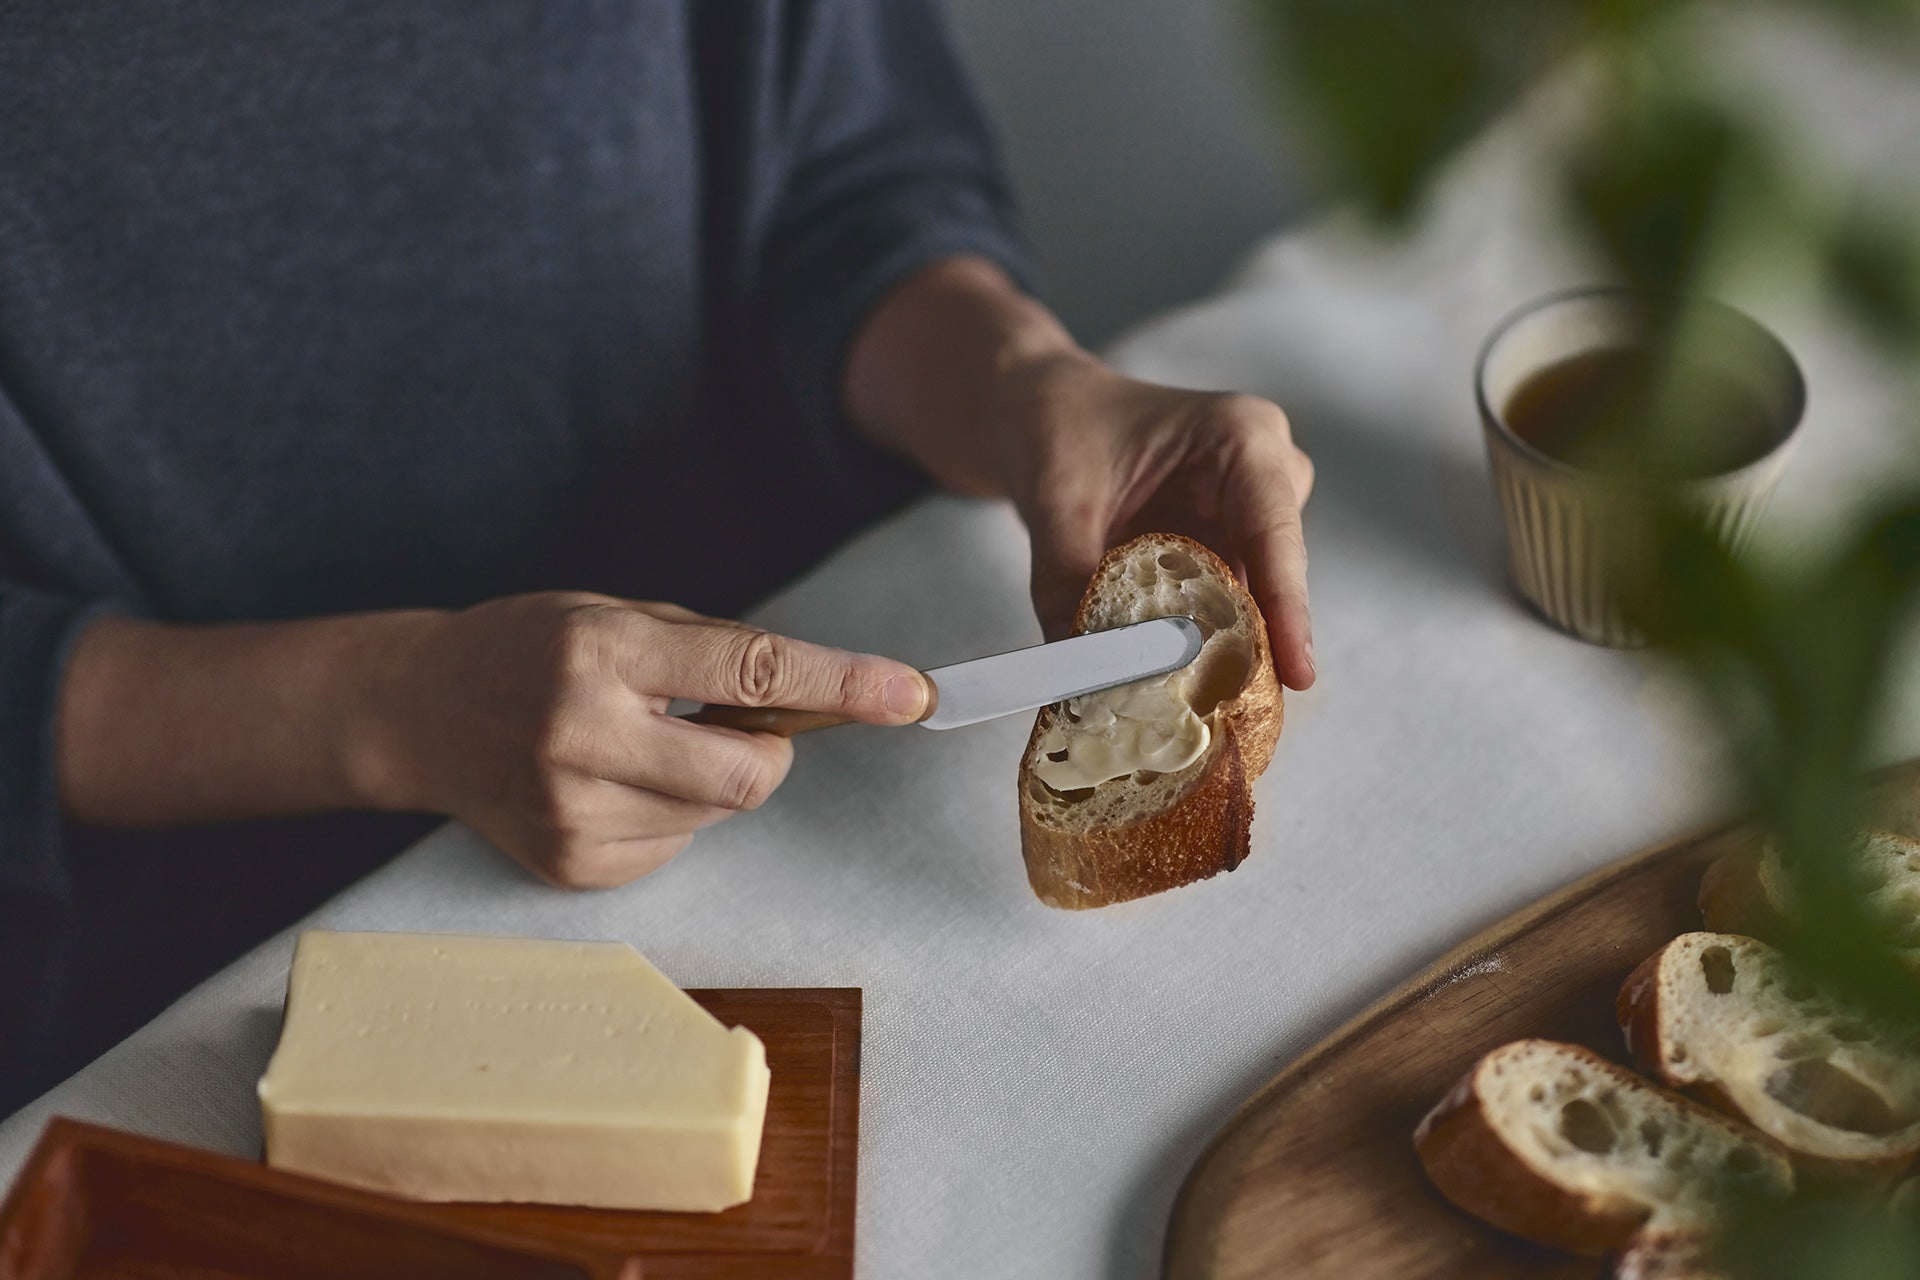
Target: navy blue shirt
(352,304)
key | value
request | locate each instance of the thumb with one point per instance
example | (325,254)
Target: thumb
(742,667)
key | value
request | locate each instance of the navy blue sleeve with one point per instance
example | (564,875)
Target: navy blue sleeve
(37,629)
(889,166)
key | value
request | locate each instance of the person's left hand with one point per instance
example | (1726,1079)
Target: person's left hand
(1095,458)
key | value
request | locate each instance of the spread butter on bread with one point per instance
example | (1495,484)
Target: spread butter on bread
(1147,787)
(1726,1018)
(1553,1143)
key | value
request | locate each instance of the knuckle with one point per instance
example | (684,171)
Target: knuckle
(557,742)
(549,745)
(1240,413)
(1240,408)
(1303,476)
(605,867)
(574,867)
(563,872)
(853,685)
(757,659)
(579,640)
(549,804)
(552,855)
(748,782)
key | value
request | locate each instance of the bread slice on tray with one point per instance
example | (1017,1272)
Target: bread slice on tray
(1725,1018)
(1749,892)
(1149,786)
(1552,1143)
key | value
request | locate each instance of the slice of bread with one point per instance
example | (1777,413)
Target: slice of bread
(1749,893)
(1090,839)
(1725,1018)
(1552,1143)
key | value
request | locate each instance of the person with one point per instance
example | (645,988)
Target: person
(372,374)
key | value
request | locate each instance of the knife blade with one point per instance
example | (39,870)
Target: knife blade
(1005,684)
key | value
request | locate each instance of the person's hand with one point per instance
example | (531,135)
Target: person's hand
(1094,458)
(541,722)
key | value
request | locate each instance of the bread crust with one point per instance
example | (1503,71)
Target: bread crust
(1639,1010)
(1734,899)
(1207,829)
(1472,1166)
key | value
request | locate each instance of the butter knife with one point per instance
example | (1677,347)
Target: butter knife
(1005,684)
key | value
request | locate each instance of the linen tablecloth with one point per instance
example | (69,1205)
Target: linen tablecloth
(1038,1082)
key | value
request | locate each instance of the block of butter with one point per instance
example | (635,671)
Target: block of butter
(446,1067)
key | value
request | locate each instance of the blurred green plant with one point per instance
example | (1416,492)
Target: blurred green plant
(1675,185)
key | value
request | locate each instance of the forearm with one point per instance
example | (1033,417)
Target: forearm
(160,723)
(931,371)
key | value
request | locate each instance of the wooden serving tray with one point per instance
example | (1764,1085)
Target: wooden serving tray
(1315,1175)
(100,1204)
(96,1203)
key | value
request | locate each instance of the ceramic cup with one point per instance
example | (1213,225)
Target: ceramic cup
(1570,530)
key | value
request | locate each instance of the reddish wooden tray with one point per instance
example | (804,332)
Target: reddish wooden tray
(96,1203)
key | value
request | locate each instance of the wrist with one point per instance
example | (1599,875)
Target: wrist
(940,368)
(372,681)
(1037,393)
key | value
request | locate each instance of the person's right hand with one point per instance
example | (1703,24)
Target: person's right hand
(541,722)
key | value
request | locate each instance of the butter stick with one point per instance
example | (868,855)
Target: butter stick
(447,1067)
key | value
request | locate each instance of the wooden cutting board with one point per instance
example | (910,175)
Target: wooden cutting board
(1315,1175)
(98,1204)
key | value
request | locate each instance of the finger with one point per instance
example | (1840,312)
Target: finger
(1301,474)
(622,752)
(607,864)
(1262,508)
(623,811)
(676,613)
(744,667)
(702,764)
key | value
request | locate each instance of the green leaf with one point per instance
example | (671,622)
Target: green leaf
(1874,263)
(1653,183)
(1386,90)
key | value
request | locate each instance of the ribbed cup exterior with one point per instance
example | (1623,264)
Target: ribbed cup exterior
(1569,533)
(1572,533)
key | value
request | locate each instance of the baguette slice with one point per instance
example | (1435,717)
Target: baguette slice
(1148,830)
(1552,1143)
(1723,1017)
(1748,893)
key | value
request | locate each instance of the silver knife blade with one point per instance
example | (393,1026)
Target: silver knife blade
(1026,679)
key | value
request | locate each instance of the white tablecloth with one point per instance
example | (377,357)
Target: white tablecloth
(1038,1082)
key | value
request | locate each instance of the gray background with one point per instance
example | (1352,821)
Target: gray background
(1141,140)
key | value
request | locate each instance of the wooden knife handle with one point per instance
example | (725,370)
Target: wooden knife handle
(781,721)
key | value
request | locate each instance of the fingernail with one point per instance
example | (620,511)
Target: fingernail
(906,696)
(1311,664)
